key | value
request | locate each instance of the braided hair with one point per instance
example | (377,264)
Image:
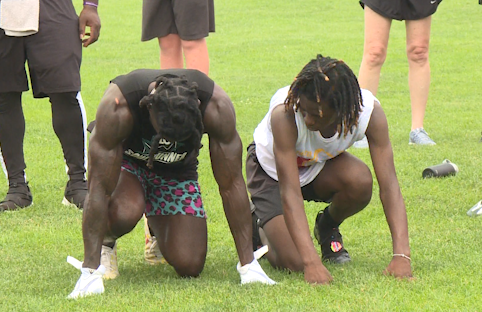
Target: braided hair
(175,106)
(330,80)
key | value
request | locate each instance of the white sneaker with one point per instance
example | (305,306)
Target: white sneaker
(152,253)
(89,283)
(253,272)
(108,258)
(90,280)
(476,210)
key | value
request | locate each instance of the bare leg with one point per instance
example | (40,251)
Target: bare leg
(347,181)
(182,240)
(171,52)
(418,37)
(282,253)
(104,227)
(196,54)
(377,30)
(126,207)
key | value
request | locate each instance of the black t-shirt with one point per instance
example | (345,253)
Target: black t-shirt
(173,159)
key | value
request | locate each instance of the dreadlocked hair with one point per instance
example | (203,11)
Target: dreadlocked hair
(330,80)
(175,106)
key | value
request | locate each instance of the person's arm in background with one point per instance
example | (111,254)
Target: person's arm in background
(89,17)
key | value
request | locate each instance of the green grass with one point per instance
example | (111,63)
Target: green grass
(258,47)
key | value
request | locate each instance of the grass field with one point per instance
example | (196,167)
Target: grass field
(260,46)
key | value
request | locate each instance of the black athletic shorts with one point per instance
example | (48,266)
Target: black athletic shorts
(403,9)
(264,190)
(53,54)
(190,19)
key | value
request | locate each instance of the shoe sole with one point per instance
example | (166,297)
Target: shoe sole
(341,260)
(66,202)
(429,144)
(110,276)
(156,262)
(16,209)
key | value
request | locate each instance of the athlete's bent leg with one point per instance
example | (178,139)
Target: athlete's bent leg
(182,240)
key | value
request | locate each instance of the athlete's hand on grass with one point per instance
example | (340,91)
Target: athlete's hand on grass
(399,267)
(90,280)
(317,274)
(253,272)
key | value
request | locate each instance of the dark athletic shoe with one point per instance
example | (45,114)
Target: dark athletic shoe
(18,197)
(75,192)
(332,249)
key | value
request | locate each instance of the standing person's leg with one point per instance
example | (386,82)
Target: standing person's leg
(196,54)
(377,31)
(158,22)
(12,132)
(13,81)
(55,73)
(171,52)
(418,38)
(194,22)
(69,123)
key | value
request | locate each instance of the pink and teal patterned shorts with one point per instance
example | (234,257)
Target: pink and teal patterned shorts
(165,196)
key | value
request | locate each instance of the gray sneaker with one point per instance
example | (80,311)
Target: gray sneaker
(420,137)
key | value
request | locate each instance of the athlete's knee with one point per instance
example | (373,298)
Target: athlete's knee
(359,183)
(189,266)
(124,216)
(119,226)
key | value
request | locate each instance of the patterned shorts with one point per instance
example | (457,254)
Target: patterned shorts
(165,196)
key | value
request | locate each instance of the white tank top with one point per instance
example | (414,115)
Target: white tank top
(312,149)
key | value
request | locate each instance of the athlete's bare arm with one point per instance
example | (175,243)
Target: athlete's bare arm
(393,205)
(114,123)
(225,148)
(284,135)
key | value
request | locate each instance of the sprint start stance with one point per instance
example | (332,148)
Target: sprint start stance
(299,153)
(143,159)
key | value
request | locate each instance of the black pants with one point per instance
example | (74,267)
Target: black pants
(68,124)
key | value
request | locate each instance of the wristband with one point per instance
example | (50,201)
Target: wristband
(91,3)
